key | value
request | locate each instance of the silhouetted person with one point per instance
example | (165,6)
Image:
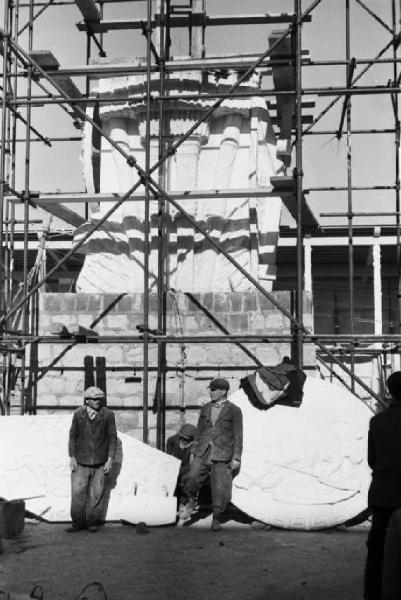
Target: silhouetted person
(384,458)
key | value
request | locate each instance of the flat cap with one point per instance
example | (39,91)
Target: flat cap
(187,431)
(93,392)
(219,384)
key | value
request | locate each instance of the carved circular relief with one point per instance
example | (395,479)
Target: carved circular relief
(306,467)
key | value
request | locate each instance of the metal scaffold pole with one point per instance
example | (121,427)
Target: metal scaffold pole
(4,146)
(347,101)
(299,192)
(5,151)
(397,141)
(146,232)
(25,317)
(9,230)
(162,237)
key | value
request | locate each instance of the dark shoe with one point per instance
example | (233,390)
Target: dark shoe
(216,525)
(142,528)
(74,528)
(93,528)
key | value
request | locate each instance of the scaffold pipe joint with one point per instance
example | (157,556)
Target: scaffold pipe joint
(131,160)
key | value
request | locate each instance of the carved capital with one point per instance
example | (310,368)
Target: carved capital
(178,123)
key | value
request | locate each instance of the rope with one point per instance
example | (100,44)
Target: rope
(182,363)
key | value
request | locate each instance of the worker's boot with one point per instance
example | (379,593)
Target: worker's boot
(74,527)
(216,524)
(185,512)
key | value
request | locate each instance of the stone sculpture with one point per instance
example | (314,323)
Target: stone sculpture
(306,467)
(234,148)
(302,468)
(34,464)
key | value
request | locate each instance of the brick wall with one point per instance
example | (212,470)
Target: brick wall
(61,387)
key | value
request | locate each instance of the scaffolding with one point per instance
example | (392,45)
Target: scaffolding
(33,79)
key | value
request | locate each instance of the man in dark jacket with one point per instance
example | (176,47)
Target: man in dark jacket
(180,446)
(217,449)
(384,458)
(92,446)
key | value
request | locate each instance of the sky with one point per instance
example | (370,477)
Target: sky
(324,157)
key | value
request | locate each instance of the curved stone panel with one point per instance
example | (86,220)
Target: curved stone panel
(34,462)
(306,467)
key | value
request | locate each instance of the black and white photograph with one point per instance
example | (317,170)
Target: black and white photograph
(200,299)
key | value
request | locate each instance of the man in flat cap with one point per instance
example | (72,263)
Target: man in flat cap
(217,450)
(91,447)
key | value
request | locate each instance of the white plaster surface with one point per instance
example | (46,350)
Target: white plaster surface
(234,148)
(304,468)
(34,461)
(152,509)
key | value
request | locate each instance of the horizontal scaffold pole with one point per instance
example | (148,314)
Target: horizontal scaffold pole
(205,64)
(355,340)
(181,195)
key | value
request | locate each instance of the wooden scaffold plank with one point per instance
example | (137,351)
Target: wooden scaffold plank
(184,21)
(48,62)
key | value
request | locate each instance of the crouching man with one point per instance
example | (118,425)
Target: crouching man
(92,445)
(180,446)
(217,450)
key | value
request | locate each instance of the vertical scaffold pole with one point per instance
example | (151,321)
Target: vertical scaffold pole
(8,166)
(10,206)
(298,184)
(28,305)
(162,238)
(349,192)
(10,216)
(397,140)
(4,144)
(3,175)
(146,246)
(87,89)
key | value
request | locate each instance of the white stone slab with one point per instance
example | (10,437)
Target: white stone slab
(304,468)
(34,461)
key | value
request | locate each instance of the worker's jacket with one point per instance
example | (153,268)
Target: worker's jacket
(225,437)
(384,457)
(92,442)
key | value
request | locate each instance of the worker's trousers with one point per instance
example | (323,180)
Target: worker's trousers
(374,560)
(87,493)
(391,573)
(220,481)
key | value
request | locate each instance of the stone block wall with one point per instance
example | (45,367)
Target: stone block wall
(192,365)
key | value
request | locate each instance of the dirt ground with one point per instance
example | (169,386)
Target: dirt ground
(177,563)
